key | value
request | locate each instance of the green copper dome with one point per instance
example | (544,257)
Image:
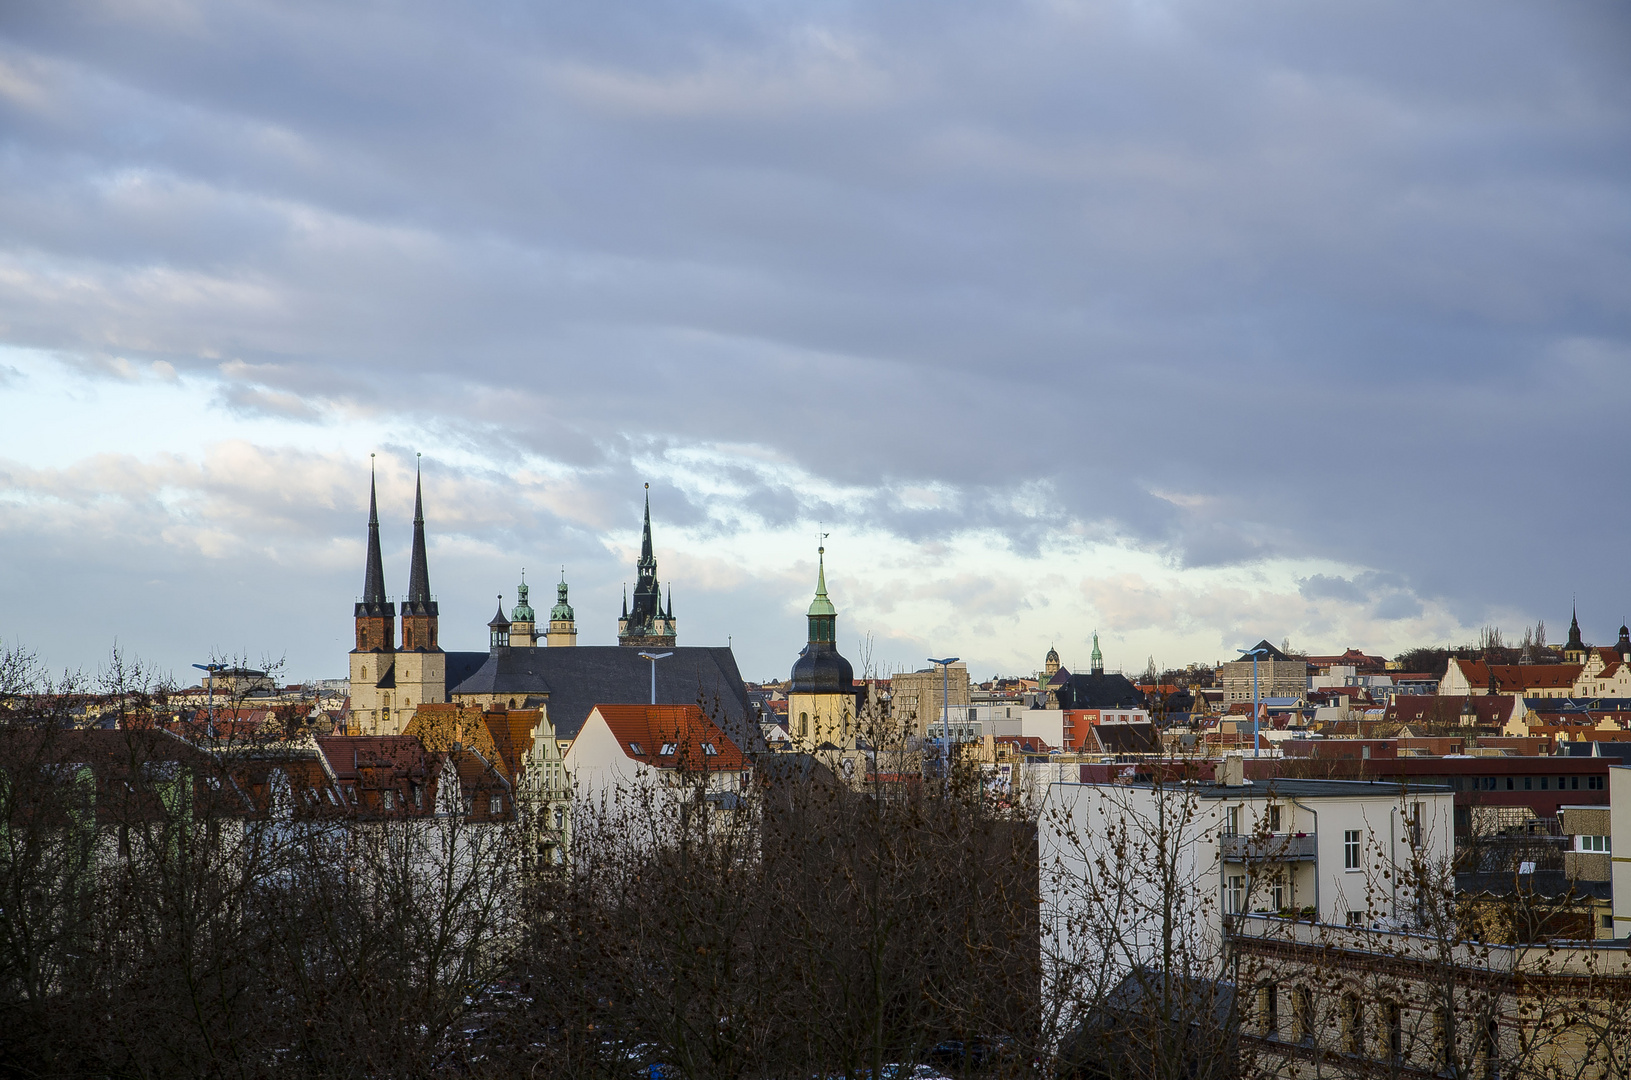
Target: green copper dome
(562,611)
(523,611)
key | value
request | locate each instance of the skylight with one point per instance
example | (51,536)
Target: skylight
(634,746)
(710,749)
(667,750)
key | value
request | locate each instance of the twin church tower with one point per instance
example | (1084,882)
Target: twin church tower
(388,678)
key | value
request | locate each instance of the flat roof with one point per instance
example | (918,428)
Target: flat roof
(1297,788)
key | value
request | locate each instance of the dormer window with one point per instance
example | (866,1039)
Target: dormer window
(667,750)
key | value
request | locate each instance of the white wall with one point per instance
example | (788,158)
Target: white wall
(1045,724)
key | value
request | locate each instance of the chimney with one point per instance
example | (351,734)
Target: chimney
(1232,773)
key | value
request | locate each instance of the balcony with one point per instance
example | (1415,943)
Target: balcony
(1277,847)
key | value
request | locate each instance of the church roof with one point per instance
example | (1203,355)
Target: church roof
(1099,691)
(575,680)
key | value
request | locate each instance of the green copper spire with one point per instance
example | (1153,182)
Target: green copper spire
(1097,659)
(821,605)
(523,610)
(562,611)
(823,617)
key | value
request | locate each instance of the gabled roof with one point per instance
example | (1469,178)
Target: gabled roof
(512,736)
(643,732)
(439,727)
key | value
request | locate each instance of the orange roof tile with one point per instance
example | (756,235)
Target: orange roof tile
(645,731)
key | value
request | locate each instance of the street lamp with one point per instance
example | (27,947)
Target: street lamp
(209,725)
(945,710)
(654,657)
(1254,654)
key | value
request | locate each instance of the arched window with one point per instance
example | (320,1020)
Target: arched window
(512,703)
(365,671)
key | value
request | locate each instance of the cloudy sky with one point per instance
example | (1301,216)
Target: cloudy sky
(1190,323)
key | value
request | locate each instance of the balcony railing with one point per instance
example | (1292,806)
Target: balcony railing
(1277,847)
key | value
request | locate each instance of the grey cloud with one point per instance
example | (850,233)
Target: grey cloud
(1329,273)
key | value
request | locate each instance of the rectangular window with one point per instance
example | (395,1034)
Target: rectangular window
(495,804)
(1574,783)
(710,749)
(1356,918)
(1234,897)
(387,799)
(667,750)
(1278,892)
(1591,843)
(1545,783)
(1274,819)
(1231,821)
(1594,783)
(1394,1015)
(1350,849)
(1528,783)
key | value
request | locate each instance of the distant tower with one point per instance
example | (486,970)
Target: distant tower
(821,694)
(421,666)
(647,625)
(1096,661)
(1623,646)
(522,622)
(1574,651)
(498,629)
(373,658)
(563,628)
(1050,666)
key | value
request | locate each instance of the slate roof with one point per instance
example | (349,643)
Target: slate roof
(1099,692)
(576,679)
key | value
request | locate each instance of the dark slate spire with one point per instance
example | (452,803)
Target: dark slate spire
(646,557)
(419,572)
(1575,644)
(373,601)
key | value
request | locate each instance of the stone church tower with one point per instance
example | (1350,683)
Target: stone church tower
(421,665)
(647,625)
(373,659)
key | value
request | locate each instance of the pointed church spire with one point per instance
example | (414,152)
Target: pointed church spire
(419,571)
(373,585)
(1096,660)
(645,541)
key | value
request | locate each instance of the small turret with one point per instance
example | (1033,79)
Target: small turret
(498,628)
(1096,660)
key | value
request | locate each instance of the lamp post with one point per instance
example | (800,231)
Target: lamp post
(1254,654)
(654,657)
(945,710)
(209,723)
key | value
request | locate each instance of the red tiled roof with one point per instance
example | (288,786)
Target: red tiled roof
(1515,678)
(644,731)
